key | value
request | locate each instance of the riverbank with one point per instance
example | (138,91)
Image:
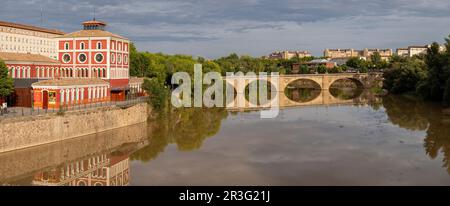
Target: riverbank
(24,132)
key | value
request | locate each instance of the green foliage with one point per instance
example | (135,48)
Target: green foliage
(338,69)
(6,82)
(360,64)
(404,76)
(437,63)
(322,69)
(304,69)
(158,92)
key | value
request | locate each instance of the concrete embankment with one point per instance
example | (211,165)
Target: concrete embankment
(32,131)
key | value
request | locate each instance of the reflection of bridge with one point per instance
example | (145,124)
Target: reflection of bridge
(363,80)
(324,98)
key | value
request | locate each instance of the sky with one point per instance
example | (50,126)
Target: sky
(217,28)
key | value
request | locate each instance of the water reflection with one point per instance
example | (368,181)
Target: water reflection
(346,93)
(111,169)
(302,94)
(415,115)
(187,128)
(99,159)
(304,145)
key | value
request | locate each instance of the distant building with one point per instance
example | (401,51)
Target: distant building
(384,53)
(416,50)
(366,53)
(289,54)
(341,53)
(403,52)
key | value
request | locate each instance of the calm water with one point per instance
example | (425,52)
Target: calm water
(368,141)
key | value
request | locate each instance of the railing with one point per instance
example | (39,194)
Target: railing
(25,111)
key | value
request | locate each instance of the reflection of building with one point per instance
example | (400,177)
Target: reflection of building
(289,54)
(98,170)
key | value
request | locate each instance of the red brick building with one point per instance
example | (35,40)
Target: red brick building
(51,68)
(96,53)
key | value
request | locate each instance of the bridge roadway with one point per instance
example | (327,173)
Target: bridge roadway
(362,80)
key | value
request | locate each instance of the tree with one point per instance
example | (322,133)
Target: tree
(432,87)
(404,76)
(322,69)
(357,63)
(6,82)
(376,59)
(158,92)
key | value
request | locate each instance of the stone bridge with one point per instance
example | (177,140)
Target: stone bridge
(362,80)
(240,102)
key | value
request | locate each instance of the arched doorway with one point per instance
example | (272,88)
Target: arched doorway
(45,100)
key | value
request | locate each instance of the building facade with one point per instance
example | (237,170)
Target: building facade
(96,53)
(403,52)
(363,54)
(51,68)
(289,54)
(60,93)
(27,39)
(416,50)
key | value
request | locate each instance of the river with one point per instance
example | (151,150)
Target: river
(363,140)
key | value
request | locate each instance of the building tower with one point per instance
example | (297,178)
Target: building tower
(96,53)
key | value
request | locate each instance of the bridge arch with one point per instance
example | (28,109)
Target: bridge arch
(358,82)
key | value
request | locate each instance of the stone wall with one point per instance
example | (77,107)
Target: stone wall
(29,131)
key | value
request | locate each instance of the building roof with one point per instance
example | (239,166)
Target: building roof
(94,22)
(318,61)
(30,27)
(415,46)
(10,56)
(71,81)
(91,33)
(136,80)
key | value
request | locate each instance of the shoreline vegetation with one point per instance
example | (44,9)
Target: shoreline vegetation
(426,76)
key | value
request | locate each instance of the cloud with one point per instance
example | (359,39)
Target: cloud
(254,27)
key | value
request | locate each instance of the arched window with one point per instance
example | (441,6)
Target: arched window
(82,46)
(99,45)
(104,73)
(66,46)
